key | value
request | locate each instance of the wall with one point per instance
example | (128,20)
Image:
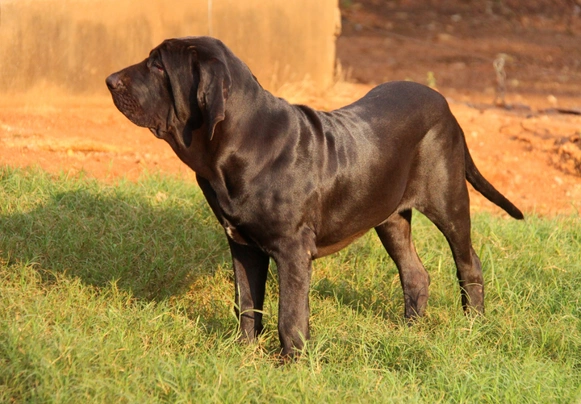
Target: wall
(72,45)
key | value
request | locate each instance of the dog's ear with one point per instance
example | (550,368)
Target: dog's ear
(177,63)
(213,88)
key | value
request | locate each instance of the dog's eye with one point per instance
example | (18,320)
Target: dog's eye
(157,66)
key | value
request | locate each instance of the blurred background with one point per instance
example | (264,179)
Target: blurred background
(74,44)
(511,71)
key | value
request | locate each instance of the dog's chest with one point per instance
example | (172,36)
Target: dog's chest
(232,223)
(233,232)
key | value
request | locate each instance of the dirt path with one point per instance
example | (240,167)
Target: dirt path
(529,152)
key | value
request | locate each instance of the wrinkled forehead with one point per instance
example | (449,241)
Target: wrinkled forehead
(175,44)
(153,53)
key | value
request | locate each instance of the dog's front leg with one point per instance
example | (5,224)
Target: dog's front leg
(250,272)
(294,276)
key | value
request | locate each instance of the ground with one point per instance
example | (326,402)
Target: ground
(524,134)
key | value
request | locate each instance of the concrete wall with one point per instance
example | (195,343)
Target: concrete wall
(72,45)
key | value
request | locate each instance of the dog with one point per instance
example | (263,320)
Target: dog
(293,184)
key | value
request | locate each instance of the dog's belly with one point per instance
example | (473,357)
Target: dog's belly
(323,250)
(340,224)
(338,235)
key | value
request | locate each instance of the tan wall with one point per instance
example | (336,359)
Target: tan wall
(74,44)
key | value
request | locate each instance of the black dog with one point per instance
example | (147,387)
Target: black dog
(295,184)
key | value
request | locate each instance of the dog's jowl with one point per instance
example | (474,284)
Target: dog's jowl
(291,183)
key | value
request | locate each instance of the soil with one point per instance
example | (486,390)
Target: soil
(524,132)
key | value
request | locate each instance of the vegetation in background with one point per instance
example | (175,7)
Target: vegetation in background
(123,293)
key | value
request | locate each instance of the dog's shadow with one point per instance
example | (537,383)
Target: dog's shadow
(381,297)
(152,251)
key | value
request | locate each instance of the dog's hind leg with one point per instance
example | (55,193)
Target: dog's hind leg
(452,217)
(250,272)
(395,234)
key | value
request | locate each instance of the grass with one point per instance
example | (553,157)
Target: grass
(123,293)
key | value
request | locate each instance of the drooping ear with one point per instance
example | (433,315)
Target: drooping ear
(177,64)
(213,88)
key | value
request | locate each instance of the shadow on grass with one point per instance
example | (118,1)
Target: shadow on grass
(154,251)
(386,303)
(154,239)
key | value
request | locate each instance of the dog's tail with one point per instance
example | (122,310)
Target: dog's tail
(482,185)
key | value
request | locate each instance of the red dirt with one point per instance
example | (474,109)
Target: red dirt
(529,151)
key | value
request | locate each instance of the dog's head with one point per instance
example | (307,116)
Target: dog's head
(181,88)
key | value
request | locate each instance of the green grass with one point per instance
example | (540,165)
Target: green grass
(123,294)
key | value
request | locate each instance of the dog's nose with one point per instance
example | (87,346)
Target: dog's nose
(114,81)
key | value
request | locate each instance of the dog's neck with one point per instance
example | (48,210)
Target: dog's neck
(253,118)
